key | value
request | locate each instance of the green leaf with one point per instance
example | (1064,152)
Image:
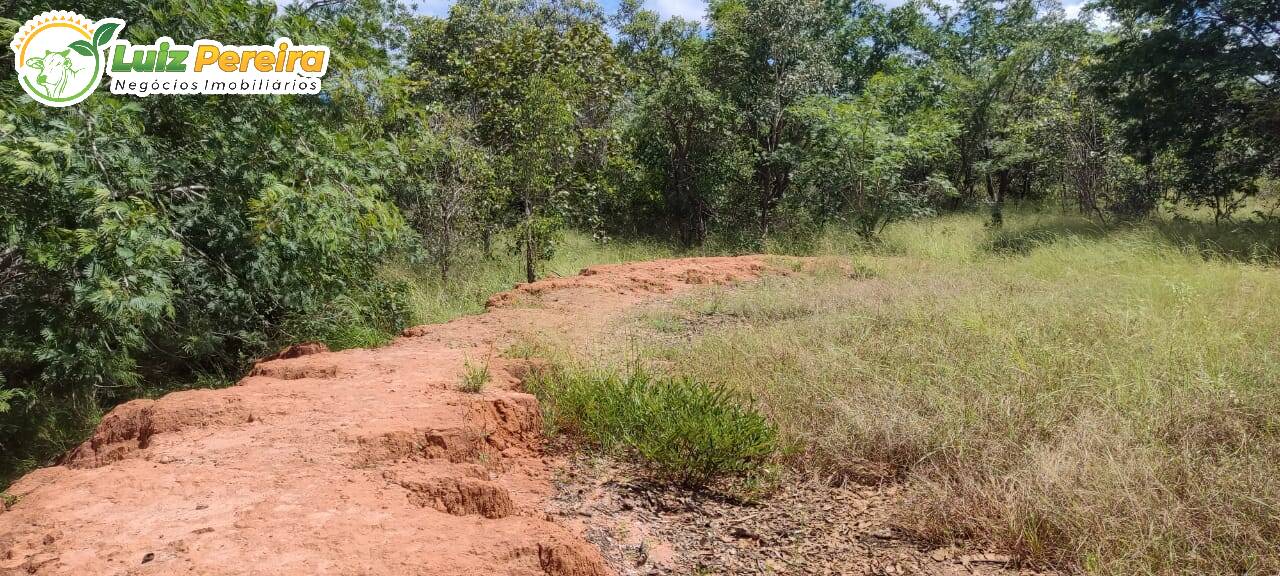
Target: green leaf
(82,48)
(104,34)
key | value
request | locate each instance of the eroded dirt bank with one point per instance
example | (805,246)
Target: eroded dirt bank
(361,462)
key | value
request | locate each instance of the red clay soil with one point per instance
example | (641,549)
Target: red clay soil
(360,462)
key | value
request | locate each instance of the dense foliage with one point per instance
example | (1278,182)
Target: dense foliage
(171,238)
(151,242)
(1196,82)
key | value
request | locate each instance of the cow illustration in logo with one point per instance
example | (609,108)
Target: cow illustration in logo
(59,56)
(55,71)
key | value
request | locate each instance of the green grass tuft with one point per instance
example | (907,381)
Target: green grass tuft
(682,430)
(474,377)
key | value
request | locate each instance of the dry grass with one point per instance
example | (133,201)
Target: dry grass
(1099,399)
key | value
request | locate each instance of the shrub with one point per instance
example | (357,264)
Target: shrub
(145,242)
(683,430)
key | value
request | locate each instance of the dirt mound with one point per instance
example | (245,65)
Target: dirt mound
(640,278)
(368,462)
(132,425)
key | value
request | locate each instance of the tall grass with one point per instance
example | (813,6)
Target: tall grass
(1105,399)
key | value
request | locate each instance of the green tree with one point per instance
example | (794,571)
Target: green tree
(996,59)
(444,178)
(542,80)
(1197,79)
(680,133)
(769,55)
(857,167)
(871,39)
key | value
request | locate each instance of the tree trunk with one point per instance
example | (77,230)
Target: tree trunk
(446,251)
(700,222)
(764,222)
(997,204)
(772,186)
(771,175)
(529,272)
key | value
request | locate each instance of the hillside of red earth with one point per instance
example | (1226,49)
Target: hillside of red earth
(371,462)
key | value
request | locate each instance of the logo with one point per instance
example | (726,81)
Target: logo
(61,57)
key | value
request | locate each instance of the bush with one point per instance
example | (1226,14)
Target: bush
(147,243)
(685,431)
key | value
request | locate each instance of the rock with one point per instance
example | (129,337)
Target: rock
(987,558)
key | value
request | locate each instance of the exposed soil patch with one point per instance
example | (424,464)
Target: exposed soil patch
(370,462)
(804,526)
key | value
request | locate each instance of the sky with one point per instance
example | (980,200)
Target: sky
(689,9)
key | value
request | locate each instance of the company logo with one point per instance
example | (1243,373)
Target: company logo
(61,57)
(58,55)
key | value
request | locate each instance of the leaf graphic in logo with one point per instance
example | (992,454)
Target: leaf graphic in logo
(82,48)
(104,34)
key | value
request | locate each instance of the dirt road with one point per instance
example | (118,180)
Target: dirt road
(360,462)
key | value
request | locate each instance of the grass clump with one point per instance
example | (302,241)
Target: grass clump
(683,430)
(474,377)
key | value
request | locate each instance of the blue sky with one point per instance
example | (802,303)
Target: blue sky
(691,9)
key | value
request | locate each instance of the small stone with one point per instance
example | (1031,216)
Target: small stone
(991,558)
